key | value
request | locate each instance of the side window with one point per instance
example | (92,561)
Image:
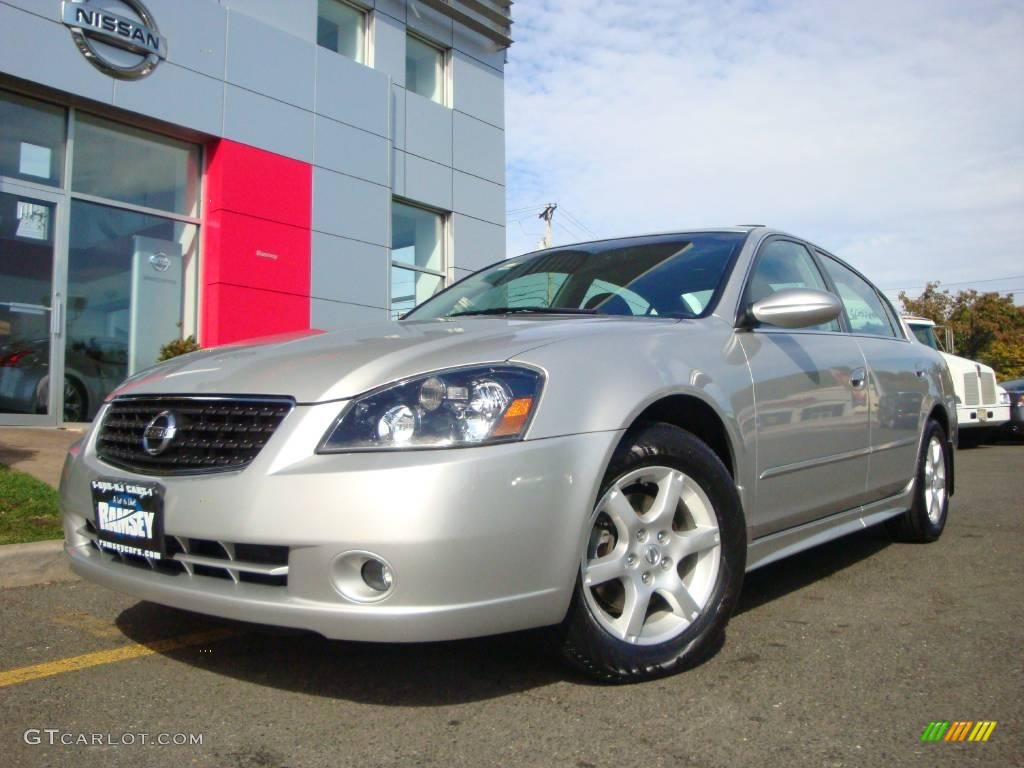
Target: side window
(863,307)
(783,264)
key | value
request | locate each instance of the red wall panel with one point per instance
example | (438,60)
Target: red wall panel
(257,210)
(238,312)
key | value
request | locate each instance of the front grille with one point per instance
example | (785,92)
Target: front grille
(971,394)
(246,563)
(214,434)
(988,388)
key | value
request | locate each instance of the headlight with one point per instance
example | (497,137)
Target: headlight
(1004,398)
(460,407)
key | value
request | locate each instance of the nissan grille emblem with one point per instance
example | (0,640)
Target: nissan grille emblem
(160,261)
(98,31)
(159,433)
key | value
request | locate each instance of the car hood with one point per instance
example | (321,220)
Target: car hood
(315,367)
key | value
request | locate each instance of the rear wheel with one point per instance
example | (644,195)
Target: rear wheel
(663,563)
(926,518)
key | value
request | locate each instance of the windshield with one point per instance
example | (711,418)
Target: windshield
(925,334)
(663,276)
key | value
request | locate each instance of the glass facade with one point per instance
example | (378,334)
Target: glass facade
(32,138)
(97,267)
(135,167)
(424,69)
(341,28)
(417,256)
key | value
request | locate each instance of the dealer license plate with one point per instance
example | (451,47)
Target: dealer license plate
(129,517)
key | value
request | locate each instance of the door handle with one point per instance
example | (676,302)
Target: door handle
(920,370)
(857,378)
(57,317)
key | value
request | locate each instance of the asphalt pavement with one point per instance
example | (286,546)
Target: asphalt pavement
(838,657)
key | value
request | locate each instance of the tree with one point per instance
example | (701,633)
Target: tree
(986,326)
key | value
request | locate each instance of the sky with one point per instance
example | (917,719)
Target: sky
(890,133)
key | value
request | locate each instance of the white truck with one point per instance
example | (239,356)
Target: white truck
(981,406)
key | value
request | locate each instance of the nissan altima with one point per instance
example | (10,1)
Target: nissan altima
(599,438)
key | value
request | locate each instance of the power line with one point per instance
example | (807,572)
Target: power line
(960,282)
(578,223)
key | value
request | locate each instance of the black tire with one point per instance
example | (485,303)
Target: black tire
(968,439)
(589,646)
(915,525)
(76,401)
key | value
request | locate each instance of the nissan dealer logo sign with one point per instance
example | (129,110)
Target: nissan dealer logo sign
(119,37)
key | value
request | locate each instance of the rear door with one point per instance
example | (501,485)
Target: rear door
(897,380)
(810,401)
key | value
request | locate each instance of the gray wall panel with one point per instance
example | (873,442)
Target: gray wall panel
(478,89)
(389,47)
(428,183)
(296,17)
(270,62)
(342,148)
(350,207)
(177,95)
(196,32)
(45,8)
(351,93)
(476,243)
(333,315)
(393,8)
(398,172)
(429,24)
(268,124)
(348,270)
(428,129)
(42,51)
(479,148)
(398,116)
(480,48)
(478,198)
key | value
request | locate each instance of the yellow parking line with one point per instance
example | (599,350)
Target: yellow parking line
(97,658)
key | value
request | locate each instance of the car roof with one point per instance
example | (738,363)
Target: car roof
(917,319)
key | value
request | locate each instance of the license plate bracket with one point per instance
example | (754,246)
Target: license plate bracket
(129,517)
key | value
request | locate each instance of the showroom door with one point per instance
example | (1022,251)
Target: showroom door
(31,305)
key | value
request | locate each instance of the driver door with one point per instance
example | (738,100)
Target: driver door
(810,403)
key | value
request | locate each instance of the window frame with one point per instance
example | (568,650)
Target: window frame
(442,273)
(741,312)
(891,317)
(364,47)
(445,54)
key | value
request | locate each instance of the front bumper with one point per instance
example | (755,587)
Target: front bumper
(481,540)
(975,417)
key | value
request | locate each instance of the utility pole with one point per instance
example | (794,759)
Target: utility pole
(547,215)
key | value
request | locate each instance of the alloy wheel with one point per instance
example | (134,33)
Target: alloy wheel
(653,556)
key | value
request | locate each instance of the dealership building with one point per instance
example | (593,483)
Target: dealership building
(230,170)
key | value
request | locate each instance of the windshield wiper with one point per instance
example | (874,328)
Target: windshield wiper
(525,310)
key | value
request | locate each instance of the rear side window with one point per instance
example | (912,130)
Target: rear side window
(783,264)
(864,308)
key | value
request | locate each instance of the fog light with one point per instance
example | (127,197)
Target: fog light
(362,577)
(377,575)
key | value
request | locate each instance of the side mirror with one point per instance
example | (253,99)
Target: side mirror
(795,308)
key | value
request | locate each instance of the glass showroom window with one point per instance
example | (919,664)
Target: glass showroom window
(111,245)
(341,28)
(32,140)
(424,69)
(417,256)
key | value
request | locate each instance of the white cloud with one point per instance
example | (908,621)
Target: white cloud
(890,133)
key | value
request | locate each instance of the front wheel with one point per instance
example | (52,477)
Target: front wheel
(926,518)
(663,563)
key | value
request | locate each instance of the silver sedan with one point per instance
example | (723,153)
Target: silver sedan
(599,438)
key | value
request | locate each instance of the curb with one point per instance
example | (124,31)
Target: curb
(41,562)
